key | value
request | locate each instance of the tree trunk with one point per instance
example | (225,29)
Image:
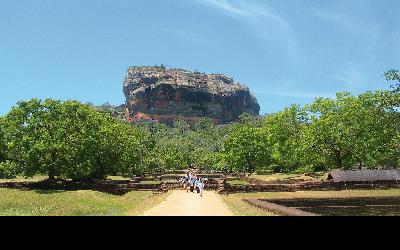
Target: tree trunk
(51,172)
(360,165)
(339,161)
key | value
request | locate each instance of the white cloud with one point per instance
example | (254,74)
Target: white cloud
(245,9)
(266,23)
(351,77)
(225,6)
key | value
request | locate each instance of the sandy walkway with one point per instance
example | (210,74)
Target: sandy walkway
(180,203)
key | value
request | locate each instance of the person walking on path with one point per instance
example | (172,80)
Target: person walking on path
(184,181)
(192,180)
(199,184)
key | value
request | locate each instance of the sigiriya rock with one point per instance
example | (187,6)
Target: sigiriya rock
(163,94)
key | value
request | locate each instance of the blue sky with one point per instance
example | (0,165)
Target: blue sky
(285,51)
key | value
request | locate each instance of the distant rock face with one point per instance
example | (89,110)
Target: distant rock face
(166,94)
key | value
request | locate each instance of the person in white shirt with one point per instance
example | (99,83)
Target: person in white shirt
(199,186)
(184,182)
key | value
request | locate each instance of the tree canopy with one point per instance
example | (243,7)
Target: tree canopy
(394,75)
(79,141)
(70,139)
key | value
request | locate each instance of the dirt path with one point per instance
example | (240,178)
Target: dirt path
(180,203)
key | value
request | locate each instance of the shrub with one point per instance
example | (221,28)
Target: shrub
(276,168)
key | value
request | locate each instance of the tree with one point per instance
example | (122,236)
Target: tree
(284,133)
(174,154)
(394,75)
(24,130)
(381,124)
(115,111)
(394,149)
(251,120)
(331,131)
(246,149)
(204,125)
(351,131)
(2,142)
(181,126)
(71,140)
(135,149)
(7,168)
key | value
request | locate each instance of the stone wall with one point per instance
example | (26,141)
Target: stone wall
(278,209)
(309,186)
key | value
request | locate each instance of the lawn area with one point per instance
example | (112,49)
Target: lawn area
(276,177)
(118,178)
(75,203)
(237,182)
(150,182)
(23,179)
(241,208)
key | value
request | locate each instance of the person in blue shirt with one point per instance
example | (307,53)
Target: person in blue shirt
(196,185)
(192,180)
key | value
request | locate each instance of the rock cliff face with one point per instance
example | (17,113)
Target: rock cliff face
(165,94)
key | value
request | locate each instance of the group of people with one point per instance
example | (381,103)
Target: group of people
(191,183)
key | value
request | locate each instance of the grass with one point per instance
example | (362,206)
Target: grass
(41,178)
(276,177)
(150,182)
(118,178)
(75,203)
(241,208)
(23,179)
(237,182)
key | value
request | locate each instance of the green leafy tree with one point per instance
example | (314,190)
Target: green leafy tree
(7,168)
(246,149)
(70,139)
(181,126)
(174,154)
(115,111)
(284,132)
(205,125)
(350,131)
(394,149)
(135,149)
(2,142)
(25,133)
(380,120)
(157,129)
(250,120)
(394,75)
(331,131)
